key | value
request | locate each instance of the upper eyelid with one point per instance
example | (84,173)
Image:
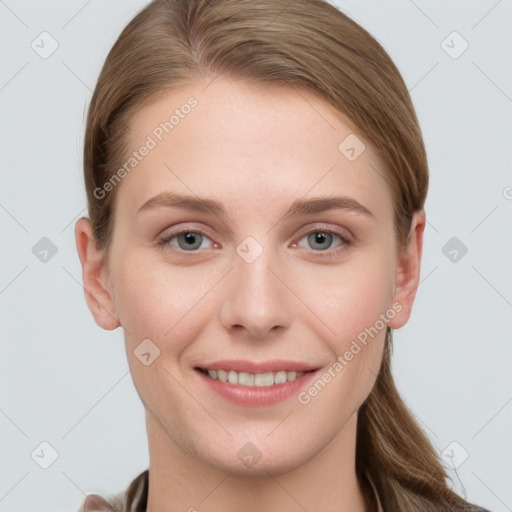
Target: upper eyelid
(343,232)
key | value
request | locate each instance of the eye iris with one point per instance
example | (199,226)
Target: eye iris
(190,239)
(320,237)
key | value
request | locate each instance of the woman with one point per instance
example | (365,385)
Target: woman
(226,139)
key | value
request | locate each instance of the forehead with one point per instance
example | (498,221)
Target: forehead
(248,146)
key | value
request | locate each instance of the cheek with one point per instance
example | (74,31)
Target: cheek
(158,304)
(152,299)
(350,299)
(354,308)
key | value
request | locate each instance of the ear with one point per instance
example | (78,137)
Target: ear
(407,273)
(97,289)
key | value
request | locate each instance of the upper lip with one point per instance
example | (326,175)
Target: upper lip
(275,365)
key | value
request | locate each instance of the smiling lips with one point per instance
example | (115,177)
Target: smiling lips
(255,384)
(254,379)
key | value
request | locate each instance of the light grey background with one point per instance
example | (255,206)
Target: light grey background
(65,381)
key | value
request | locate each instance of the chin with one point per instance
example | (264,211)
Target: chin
(255,460)
(262,468)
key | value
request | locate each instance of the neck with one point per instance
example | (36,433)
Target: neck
(179,481)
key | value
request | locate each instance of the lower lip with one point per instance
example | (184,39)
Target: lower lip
(256,396)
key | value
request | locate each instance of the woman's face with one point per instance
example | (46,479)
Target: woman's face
(258,284)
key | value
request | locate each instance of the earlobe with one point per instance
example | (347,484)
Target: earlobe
(407,275)
(97,288)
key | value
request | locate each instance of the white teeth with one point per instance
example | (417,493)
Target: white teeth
(264,379)
(280,377)
(254,379)
(245,379)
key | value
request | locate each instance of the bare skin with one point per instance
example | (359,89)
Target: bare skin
(256,150)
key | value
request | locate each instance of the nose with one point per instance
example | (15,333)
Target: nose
(257,301)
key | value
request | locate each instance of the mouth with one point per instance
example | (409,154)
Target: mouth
(242,378)
(251,384)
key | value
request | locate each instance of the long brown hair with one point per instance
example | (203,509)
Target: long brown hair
(306,44)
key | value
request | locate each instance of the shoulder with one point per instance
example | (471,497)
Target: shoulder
(97,503)
(133,499)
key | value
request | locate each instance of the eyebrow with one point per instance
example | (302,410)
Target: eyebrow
(212,206)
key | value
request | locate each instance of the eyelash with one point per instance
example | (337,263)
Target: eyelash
(164,243)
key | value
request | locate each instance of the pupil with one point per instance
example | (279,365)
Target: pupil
(321,237)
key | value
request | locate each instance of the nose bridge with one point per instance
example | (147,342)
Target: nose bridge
(257,300)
